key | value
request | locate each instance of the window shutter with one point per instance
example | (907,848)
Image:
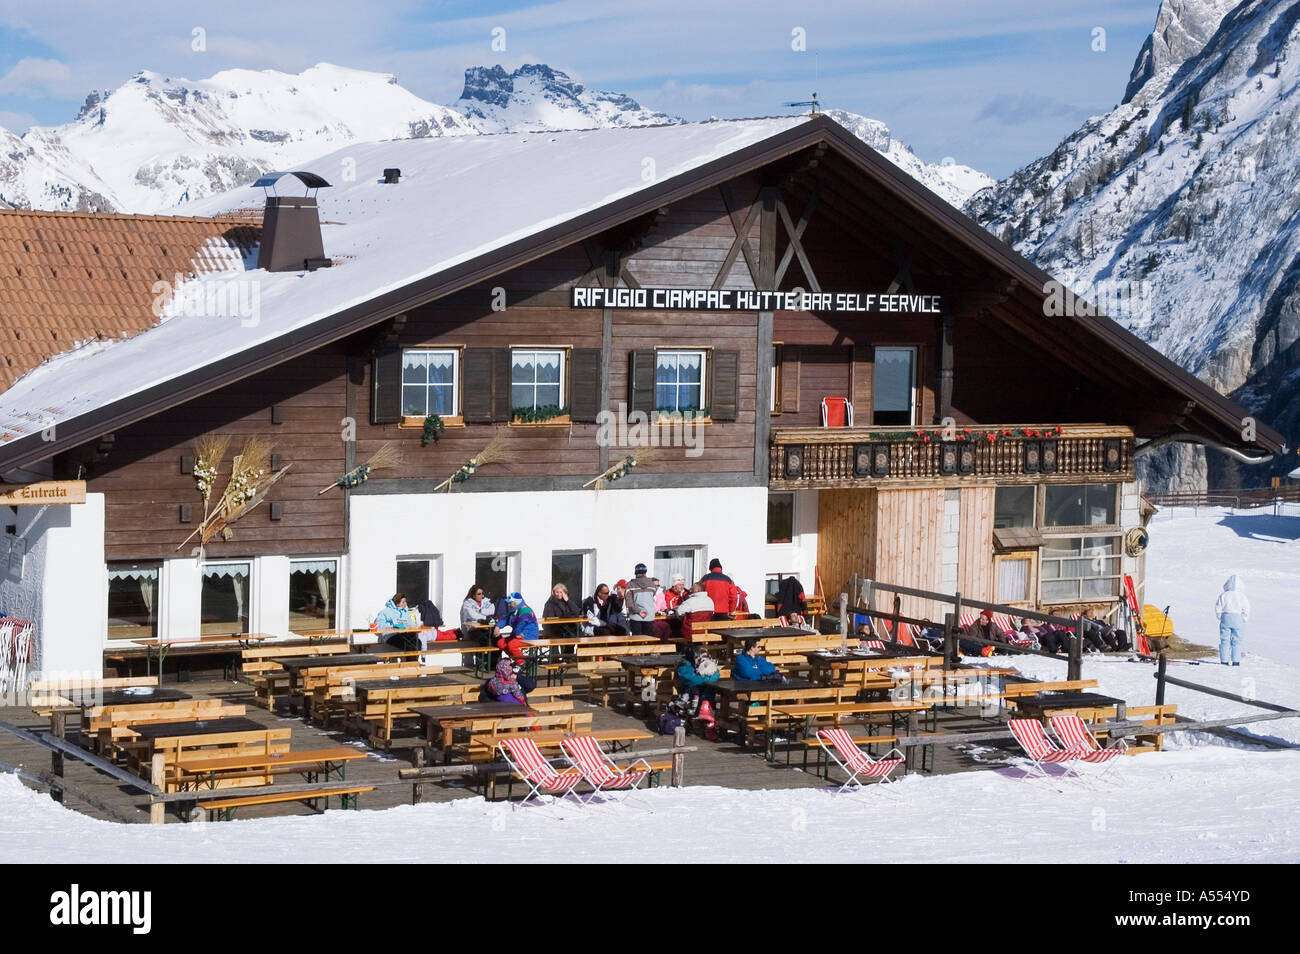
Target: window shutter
(584,385)
(476,385)
(789,379)
(386,387)
(641,381)
(724,396)
(501,409)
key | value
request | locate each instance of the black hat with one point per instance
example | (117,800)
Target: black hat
(715,564)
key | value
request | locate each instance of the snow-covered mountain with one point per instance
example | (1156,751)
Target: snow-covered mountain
(537,97)
(157,142)
(1179,211)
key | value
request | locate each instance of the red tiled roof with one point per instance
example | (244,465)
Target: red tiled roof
(70,277)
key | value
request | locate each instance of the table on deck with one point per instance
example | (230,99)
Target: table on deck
(162,646)
(446,719)
(739,636)
(102,699)
(1043,703)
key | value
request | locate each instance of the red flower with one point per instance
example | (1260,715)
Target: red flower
(920,433)
(991,437)
(1006,432)
(926,438)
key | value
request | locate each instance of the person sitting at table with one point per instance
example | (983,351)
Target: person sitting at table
(618,619)
(397,615)
(476,609)
(696,677)
(669,598)
(694,612)
(752,665)
(596,609)
(640,601)
(559,606)
(515,649)
(519,617)
(504,686)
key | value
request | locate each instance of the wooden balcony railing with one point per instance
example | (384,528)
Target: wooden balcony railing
(811,458)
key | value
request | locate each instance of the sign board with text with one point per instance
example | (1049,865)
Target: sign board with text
(44,492)
(743,299)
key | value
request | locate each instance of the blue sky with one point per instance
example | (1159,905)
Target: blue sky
(991,83)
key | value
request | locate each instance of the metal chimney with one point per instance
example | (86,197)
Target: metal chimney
(291,237)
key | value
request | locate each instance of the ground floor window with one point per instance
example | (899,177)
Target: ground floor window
(670,561)
(780,518)
(1078,569)
(223,601)
(497,572)
(313,595)
(1015,577)
(133,600)
(420,578)
(570,568)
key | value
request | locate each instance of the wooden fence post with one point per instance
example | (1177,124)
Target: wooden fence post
(949,642)
(844,622)
(1075,670)
(158,777)
(417,788)
(679,758)
(1160,679)
(58,730)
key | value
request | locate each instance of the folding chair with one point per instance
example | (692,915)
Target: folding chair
(874,644)
(837,412)
(526,761)
(1040,749)
(1074,735)
(843,748)
(599,771)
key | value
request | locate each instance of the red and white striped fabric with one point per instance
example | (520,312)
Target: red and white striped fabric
(873,644)
(532,767)
(1040,749)
(842,747)
(1074,735)
(590,760)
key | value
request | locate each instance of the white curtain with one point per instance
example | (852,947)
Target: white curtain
(1013,581)
(147,586)
(677,561)
(240,584)
(323,581)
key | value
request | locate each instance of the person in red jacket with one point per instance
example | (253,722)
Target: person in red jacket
(720,588)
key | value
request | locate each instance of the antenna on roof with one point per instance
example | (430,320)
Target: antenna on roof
(808,102)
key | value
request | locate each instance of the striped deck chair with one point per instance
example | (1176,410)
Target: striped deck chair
(1014,636)
(1074,735)
(1040,749)
(600,772)
(525,760)
(843,748)
(873,644)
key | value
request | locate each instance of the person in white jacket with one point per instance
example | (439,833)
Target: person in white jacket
(1233,610)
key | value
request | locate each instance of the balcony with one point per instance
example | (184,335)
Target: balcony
(817,458)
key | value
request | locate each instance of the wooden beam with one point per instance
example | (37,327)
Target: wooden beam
(795,233)
(769,196)
(741,242)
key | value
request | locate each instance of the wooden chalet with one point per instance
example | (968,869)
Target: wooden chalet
(723,292)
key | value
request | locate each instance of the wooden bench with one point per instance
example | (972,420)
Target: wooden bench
(107,726)
(551,739)
(328,693)
(1149,715)
(259,668)
(224,808)
(567,722)
(1015,690)
(226,771)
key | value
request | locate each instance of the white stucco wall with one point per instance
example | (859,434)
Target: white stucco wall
(622,527)
(799,556)
(63,588)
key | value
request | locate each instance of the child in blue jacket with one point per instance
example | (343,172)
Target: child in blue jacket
(750,664)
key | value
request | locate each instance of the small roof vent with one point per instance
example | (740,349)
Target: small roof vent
(392,175)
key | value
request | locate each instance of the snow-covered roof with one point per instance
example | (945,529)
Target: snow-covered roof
(459,198)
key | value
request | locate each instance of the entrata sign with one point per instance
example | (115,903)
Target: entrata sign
(46,492)
(740,299)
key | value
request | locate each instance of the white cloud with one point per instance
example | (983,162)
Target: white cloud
(16,123)
(32,76)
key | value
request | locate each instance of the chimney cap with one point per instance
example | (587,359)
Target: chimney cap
(392,175)
(308,179)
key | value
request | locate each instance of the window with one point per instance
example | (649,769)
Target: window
(679,380)
(673,560)
(570,568)
(133,600)
(1080,568)
(1080,505)
(420,578)
(780,518)
(223,599)
(893,386)
(1014,577)
(429,383)
(313,595)
(497,573)
(1013,507)
(536,380)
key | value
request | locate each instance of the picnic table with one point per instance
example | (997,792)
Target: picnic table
(98,699)
(160,647)
(1044,703)
(738,636)
(440,722)
(156,731)
(313,764)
